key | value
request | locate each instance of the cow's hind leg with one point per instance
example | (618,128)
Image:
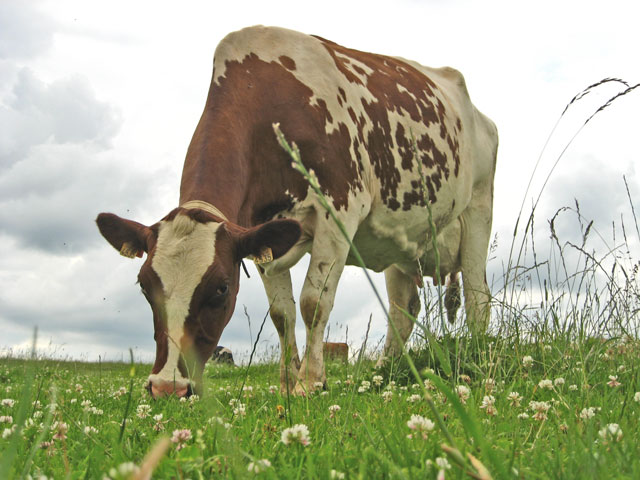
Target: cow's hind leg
(474,245)
(283,313)
(328,257)
(403,297)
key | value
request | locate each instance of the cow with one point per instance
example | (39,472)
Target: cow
(336,351)
(222,355)
(356,118)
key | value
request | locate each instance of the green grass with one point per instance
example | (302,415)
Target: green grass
(366,438)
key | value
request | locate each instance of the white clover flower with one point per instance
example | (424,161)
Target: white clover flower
(558,382)
(334,409)
(488,404)
(588,413)
(258,466)
(6,419)
(240,410)
(124,470)
(523,416)
(298,433)
(143,410)
(463,393)
(613,382)
(527,361)
(377,380)
(8,402)
(541,409)
(573,388)
(336,475)
(387,395)
(442,463)
(193,398)
(611,432)
(89,429)
(636,397)
(414,398)
(95,411)
(318,386)
(546,383)
(420,425)
(181,437)
(514,399)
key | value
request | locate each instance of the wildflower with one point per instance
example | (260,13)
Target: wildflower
(636,397)
(45,445)
(527,361)
(387,395)
(124,470)
(442,463)
(183,400)
(193,399)
(89,429)
(413,398)
(558,382)
(541,409)
(240,410)
(335,474)
(546,383)
(333,409)
(73,401)
(8,402)
(463,393)
(259,466)
(621,369)
(564,428)
(298,433)
(143,410)
(488,404)
(611,432)
(364,386)
(465,378)
(318,386)
(6,433)
(273,389)
(79,388)
(573,388)
(181,437)
(523,416)
(120,392)
(547,348)
(159,426)
(6,419)
(247,388)
(588,413)
(514,399)
(377,380)
(95,411)
(420,425)
(60,429)
(613,381)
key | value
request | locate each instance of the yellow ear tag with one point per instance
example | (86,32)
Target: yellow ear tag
(266,256)
(127,250)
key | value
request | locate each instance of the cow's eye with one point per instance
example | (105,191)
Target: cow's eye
(222,290)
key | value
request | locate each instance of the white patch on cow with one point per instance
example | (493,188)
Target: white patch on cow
(184,252)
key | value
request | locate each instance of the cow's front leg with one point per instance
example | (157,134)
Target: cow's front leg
(328,256)
(403,295)
(283,313)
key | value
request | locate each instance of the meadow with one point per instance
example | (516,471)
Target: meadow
(552,390)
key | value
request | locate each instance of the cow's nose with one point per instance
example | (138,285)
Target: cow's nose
(160,388)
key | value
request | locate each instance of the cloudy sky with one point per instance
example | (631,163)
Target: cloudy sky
(98,102)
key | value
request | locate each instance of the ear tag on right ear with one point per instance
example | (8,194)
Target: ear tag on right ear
(128,250)
(266,256)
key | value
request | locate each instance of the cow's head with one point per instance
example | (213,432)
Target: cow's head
(190,278)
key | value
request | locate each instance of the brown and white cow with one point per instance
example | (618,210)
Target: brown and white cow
(353,116)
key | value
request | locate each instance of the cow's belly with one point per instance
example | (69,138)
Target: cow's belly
(387,237)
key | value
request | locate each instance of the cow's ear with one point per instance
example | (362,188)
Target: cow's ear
(268,241)
(130,238)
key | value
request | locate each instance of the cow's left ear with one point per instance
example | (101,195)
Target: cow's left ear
(130,238)
(277,235)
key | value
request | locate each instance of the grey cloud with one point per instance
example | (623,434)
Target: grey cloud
(65,111)
(24,31)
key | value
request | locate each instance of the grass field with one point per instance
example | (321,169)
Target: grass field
(550,409)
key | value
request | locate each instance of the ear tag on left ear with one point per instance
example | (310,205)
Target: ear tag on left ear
(127,250)
(266,256)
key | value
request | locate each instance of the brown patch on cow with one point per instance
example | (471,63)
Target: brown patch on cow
(235,134)
(287,62)
(417,98)
(336,351)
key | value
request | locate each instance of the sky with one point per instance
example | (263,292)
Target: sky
(99,100)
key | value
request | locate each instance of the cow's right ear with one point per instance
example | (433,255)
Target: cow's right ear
(130,238)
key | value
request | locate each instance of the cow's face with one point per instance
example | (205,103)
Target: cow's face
(190,279)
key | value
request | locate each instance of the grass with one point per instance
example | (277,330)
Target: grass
(365,438)
(552,391)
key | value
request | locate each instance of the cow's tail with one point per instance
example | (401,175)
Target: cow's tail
(452,299)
